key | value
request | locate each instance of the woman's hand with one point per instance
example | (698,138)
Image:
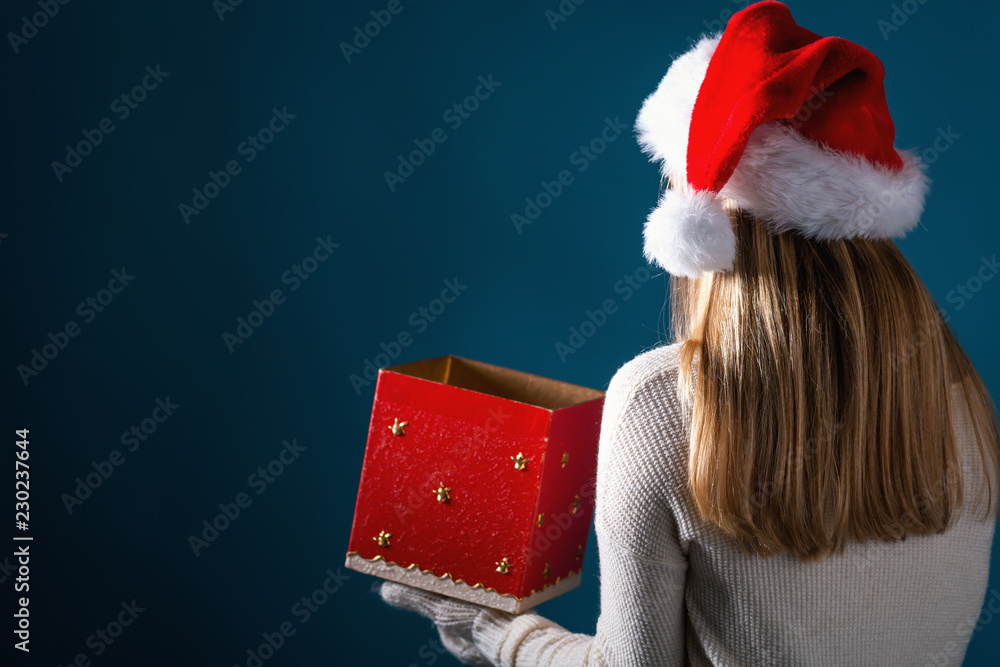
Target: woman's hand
(454,618)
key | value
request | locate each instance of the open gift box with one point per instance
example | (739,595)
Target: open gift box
(477,483)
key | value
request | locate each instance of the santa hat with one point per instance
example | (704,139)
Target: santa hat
(783,123)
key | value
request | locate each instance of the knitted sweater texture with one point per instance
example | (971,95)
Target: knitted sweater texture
(674,590)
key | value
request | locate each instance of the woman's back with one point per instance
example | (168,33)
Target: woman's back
(912,602)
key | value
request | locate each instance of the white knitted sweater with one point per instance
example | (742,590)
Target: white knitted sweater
(676,591)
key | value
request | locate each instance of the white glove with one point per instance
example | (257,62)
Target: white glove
(454,618)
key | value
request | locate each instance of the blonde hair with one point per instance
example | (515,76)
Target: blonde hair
(821,404)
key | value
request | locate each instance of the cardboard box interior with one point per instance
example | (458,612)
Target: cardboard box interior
(498,381)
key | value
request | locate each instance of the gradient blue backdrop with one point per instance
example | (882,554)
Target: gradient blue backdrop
(323,176)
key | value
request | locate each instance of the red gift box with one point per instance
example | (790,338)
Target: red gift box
(478,482)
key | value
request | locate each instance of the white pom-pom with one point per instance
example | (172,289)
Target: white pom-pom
(688,233)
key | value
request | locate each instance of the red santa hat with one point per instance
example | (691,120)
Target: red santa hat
(781,122)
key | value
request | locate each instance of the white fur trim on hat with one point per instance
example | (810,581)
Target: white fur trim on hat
(688,233)
(663,122)
(794,183)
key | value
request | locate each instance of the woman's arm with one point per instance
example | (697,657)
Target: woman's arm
(642,566)
(641,621)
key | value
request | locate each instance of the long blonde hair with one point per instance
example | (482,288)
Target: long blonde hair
(820,400)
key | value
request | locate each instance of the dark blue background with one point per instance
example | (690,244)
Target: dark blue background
(324,176)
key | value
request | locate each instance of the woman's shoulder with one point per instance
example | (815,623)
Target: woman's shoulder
(648,381)
(655,361)
(651,366)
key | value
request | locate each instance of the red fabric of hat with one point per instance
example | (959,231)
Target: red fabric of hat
(765,68)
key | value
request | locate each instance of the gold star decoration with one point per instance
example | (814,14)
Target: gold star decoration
(576,504)
(397,427)
(503,566)
(565,459)
(541,519)
(443,493)
(519,461)
(382,538)
(579,551)
(545,573)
